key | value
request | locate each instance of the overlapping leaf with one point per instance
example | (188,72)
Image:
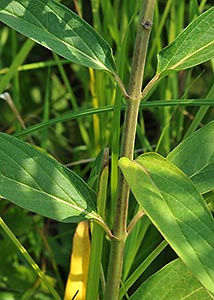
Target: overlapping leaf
(195,157)
(40,184)
(176,208)
(56,27)
(174,281)
(193,46)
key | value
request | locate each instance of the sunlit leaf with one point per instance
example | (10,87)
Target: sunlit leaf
(54,26)
(176,208)
(174,281)
(40,184)
(193,46)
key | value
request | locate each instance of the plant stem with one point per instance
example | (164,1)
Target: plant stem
(127,148)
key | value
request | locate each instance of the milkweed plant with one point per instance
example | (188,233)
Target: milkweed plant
(172,189)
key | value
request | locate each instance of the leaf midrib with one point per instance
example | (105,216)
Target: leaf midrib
(95,61)
(189,56)
(48,175)
(47,194)
(190,33)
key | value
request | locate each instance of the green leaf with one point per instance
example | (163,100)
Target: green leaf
(195,157)
(193,46)
(176,208)
(57,28)
(36,182)
(174,281)
(204,179)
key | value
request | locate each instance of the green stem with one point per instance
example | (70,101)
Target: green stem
(95,265)
(127,149)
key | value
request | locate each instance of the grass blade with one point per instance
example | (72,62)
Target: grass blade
(174,281)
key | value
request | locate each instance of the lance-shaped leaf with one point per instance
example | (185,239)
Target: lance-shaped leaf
(193,46)
(174,281)
(36,182)
(56,27)
(195,157)
(176,208)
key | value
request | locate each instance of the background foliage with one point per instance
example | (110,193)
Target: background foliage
(47,87)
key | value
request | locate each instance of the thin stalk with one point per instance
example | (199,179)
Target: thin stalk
(35,66)
(95,265)
(109,108)
(17,61)
(133,244)
(127,148)
(15,80)
(141,268)
(200,114)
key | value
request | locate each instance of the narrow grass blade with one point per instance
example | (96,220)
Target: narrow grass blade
(200,114)
(177,209)
(96,253)
(174,281)
(17,61)
(141,268)
(29,259)
(54,26)
(90,111)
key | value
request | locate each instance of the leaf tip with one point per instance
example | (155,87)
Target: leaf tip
(123,162)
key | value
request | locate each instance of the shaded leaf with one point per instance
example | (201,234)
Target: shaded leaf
(40,184)
(174,281)
(57,28)
(195,157)
(193,46)
(176,208)
(204,179)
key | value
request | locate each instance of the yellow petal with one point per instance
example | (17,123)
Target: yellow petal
(77,278)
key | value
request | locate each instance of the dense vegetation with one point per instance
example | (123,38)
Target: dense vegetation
(72,113)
